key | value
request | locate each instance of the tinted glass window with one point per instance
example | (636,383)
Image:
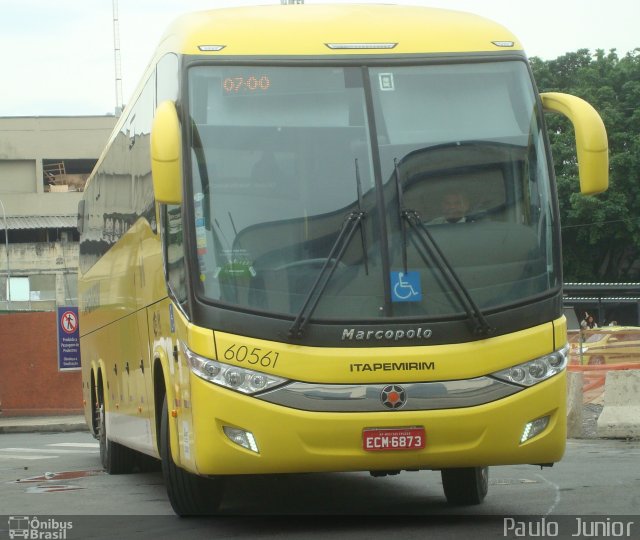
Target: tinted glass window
(279,156)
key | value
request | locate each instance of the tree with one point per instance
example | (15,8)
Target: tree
(600,234)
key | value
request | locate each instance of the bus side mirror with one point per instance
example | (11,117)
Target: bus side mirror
(591,139)
(166,154)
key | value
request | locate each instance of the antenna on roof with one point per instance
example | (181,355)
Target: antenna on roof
(116,57)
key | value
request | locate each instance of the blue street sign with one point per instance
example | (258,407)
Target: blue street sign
(405,287)
(68,339)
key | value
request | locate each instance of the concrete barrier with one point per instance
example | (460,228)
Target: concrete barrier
(620,417)
(574,405)
(593,377)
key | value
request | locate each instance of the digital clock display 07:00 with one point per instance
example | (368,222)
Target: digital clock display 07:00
(252,83)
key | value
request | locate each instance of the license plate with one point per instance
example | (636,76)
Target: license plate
(388,439)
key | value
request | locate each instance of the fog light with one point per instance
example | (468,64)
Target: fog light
(533,428)
(242,438)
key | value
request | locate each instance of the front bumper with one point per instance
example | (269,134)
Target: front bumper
(291,440)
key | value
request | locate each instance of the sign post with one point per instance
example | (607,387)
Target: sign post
(68,339)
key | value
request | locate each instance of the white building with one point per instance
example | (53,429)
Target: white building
(44,162)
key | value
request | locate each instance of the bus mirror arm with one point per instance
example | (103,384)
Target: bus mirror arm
(591,139)
(166,154)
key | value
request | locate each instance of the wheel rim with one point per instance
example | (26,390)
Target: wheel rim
(484,480)
(102,435)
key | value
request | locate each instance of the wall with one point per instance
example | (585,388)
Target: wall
(18,176)
(29,379)
(53,137)
(30,383)
(58,260)
(40,204)
(29,140)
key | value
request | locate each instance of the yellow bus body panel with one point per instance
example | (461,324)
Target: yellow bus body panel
(127,278)
(376,364)
(305,30)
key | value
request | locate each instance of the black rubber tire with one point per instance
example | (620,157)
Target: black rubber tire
(189,494)
(147,464)
(115,458)
(467,486)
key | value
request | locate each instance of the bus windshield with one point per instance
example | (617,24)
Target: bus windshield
(442,162)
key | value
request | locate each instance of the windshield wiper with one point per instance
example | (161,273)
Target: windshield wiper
(352,221)
(363,234)
(428,243)
(349,226)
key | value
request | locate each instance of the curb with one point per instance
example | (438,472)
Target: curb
(43,428)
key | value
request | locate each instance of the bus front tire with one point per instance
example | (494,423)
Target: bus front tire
(466,486)
(189,494)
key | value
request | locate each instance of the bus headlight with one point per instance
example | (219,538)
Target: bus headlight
(537,370)
(236,378)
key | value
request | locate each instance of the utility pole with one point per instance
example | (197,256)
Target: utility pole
(116,57)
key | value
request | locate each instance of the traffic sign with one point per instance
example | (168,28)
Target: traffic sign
(68,339)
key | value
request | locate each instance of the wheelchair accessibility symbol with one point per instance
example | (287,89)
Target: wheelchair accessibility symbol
(405,287)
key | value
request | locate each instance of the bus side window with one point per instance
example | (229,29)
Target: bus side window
(174,252)
(167,77)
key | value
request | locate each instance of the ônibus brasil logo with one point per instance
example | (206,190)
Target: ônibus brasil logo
(38,529)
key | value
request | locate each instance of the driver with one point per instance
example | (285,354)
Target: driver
(454,205)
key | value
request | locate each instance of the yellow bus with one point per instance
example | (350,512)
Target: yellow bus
(326,238)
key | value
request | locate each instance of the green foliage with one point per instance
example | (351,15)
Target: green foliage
(600,234)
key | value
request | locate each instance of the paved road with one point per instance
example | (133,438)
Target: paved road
(596,477)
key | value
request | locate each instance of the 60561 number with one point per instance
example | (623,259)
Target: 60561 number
(253,356)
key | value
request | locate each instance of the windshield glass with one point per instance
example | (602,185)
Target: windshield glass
(276,158)
(278,155)
(465,147)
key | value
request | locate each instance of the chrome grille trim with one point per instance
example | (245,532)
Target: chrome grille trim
(366,397)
